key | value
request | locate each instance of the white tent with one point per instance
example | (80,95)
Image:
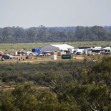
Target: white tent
(56,48)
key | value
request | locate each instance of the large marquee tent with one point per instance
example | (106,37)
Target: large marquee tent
(56,48)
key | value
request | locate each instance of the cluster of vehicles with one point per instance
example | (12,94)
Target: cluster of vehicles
(7,56)
(31,54)
(38,53)
(17,55)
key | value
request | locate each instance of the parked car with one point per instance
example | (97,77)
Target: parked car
(28,52)
(48,54)
(1,53)
(40,55)
(29,57)
(7,56)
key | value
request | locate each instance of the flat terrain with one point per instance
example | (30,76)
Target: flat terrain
(28,46)
(40,59)
(8,47)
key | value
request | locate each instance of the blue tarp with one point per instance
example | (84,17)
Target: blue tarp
(36,50)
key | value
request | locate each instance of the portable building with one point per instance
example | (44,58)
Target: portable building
(84,47)
(106,50)
(67,56)
(54,57)
(96,48)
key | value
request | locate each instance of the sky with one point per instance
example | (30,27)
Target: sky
(55,13)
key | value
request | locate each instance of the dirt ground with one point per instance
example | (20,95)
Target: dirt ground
(6,87)
(39,59)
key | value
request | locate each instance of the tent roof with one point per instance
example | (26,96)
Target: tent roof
(62,46)
(56,47)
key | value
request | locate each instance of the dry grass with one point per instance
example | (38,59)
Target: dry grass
(7,47)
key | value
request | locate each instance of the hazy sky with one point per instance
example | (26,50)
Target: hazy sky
(30,13)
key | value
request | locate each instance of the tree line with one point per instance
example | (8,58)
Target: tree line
(54,34)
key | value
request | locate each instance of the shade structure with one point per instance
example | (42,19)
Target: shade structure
(56,48)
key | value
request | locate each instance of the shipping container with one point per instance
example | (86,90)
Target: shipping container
(67,56)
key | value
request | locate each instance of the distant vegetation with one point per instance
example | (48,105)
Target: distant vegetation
(73,86)
(54,34)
